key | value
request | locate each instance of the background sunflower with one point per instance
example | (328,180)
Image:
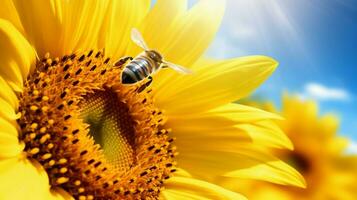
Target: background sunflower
(319,155)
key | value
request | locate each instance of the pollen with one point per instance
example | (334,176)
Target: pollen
(62,180)
(34,151)
(33,108)
(96,138)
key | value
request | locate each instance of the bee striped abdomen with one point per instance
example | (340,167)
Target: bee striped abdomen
(137,70)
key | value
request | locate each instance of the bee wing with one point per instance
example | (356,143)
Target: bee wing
(138,39)
(177,68)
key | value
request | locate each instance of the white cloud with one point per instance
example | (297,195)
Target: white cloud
(323,93)
(352,148)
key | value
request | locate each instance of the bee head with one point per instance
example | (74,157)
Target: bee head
(154,55)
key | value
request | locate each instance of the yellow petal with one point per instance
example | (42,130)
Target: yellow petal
(121,17)
(7,94)
(228,136)
(10,146)
(243,114)
(186,34)
(204,122)
(267,133)
(233,112)
(229,123)
(293,109)
(192,33)
(211,159)
(189,188)
(7,111)
(21,179)
(271,171)
(268,192)
(8,127)
(182,36)
(61,27)
(42,21)
(337,145)
(208,127)
(329,125)
(8,12)
(254,122)
(82,20)
(16,57)
(152,25)
(214,85)
(9,143)
(182,173)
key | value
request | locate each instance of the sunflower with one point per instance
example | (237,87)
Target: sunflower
(70,129)
(319,155)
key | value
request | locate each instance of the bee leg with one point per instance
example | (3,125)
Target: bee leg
(123,60)
(149,81)
(147,84)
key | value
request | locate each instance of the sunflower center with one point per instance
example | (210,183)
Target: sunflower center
(95,137)
(111,126)
(300,162)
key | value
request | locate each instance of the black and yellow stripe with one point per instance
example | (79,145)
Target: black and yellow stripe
(138,69)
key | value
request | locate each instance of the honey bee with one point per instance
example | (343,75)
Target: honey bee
(146,63)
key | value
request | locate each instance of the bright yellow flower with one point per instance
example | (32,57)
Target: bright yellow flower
(319,155)
(71,129)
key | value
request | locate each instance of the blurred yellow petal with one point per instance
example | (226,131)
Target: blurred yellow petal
(16,57)
(337,146)
(214,85)
(319,155)
(189,188)
(331,125)
(121,17)
(8,12)
(21,179)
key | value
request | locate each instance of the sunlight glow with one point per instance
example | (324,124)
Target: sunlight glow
(255,25)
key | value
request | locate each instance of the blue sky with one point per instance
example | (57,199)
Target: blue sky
(314,42)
